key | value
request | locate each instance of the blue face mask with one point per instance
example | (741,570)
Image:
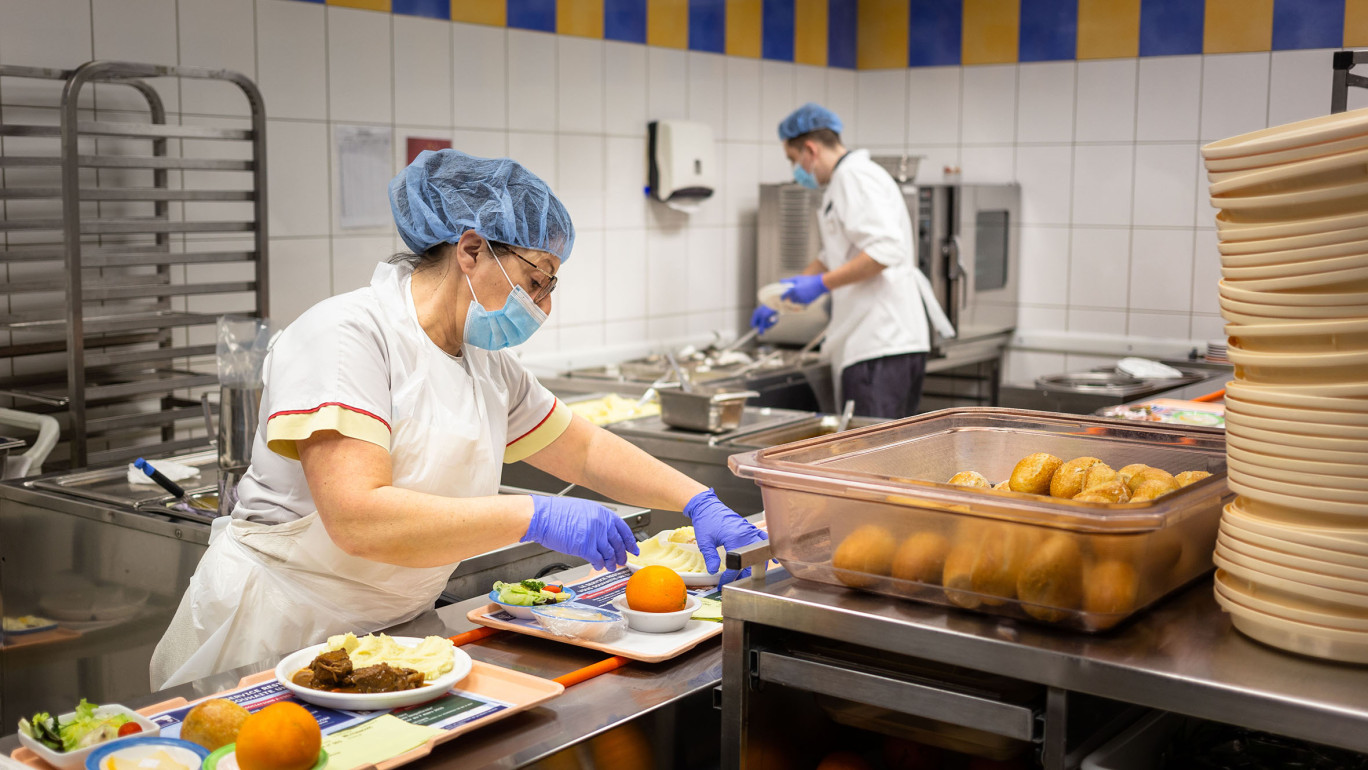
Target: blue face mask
(804,177)
(510,325)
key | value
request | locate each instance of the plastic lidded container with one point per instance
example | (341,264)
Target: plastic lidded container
(871,509)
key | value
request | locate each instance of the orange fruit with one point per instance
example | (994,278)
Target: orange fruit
(282,736)
(654,589)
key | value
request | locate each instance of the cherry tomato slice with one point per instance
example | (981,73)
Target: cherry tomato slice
(130,728)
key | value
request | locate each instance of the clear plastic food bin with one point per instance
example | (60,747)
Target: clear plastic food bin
(871,509)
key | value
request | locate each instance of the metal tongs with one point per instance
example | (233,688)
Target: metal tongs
(846,414)
(674,371)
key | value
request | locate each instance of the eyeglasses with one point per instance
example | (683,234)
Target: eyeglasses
(540,291)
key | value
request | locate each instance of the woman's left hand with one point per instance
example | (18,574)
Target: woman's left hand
(715,525)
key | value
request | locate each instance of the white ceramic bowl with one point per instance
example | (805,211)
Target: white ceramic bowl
(522,612)
(132,751)
(658,622)
(461,665)
(1307,639)
(1290,607)
(1231,230)
(1292,242)
(1295,399)
(73,760)
(590,630)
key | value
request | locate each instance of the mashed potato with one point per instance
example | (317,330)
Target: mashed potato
(613,408)
(432,657)
(679,557)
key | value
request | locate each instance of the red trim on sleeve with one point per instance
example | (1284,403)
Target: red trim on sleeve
(538,425)
(335,403)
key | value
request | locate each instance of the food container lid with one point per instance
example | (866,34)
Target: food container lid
(859,464)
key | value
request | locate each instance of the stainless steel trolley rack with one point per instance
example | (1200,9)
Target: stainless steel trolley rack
(107,228)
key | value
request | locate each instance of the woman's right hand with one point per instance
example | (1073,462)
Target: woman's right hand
(581,528)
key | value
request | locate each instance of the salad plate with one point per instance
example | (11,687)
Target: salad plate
(518,599)
(85,729)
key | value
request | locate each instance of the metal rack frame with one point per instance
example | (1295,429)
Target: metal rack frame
(116,326)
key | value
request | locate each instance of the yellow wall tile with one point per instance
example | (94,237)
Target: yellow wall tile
(1233,26)
(743,28)
(810,32)
(1108,29)
(881,34)
(365,5)
(991,31)
(491,12)
(583,18)
(1355,23)
(667,23)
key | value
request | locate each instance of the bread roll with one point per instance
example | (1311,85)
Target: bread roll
(1001,553)
(1190,477)
(921,558)
(1032,475)
(1111,492)
(1098,475)
(866,552)
(1068,480)
(959,574)
(1152,488)
(1110,589)
(1051,580)
(969,479)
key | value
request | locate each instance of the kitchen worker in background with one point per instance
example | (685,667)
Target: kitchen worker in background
(878,337)
(386,416)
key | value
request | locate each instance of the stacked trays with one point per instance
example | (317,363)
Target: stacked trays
(1292,550)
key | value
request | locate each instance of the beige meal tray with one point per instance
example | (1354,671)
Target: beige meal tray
(520,691)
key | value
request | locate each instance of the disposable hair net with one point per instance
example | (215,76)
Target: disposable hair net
(442,194)
(809,117)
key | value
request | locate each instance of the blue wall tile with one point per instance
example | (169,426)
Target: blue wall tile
(933,38)
(1171,27)
(624,20)
(1049,30)
(432,9)
(842,23)
(1308,24)
(778,28)
(539,15)
(708,26)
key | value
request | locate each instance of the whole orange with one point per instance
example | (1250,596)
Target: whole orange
(282,736)
(655,589)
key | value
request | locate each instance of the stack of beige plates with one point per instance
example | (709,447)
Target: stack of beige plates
(1293,227)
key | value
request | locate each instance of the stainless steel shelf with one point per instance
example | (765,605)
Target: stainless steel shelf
(126,256)
(143,130)
(45,321)
(132,161)
(133,226)
(128,194)
(127,454)
(97,426)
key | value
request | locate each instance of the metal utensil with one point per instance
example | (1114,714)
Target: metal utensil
(707,410)
(169,485)
(684,383)
(740,341)
(846,414)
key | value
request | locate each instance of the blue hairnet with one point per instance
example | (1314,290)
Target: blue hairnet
(442,194)
(809,117)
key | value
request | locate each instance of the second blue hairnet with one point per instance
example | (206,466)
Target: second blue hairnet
(442,194)
(809,117)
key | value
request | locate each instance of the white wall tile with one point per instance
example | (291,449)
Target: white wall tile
(141,31)
(580,75)
(624,96)
(1297,86)
(1035,318)
(1206,273)
(1022,367)
(220,35)
(707,259)
(1046,177)
(743,101)
(935,159)
(742,181)
(354,258)
(774,165)
(300,276)
(624,271)
(667,271)
(479,66)
(1044,265)
(625,197)
(881,107)
(537,152)
(1161,270)
(667,83)
(297,175)
(1045,99)
(583,338)
(1166,326)
(933,105)
(989,104)
(992,164)
(1099,269)
(1207,327)
(1164,184)
(625,332)
(580,175)
(1079,362)
(667,330)
(531,80)
(777,96)
(1102,184)
(52,33)
(360,81)
(580,294)
(422,71)
(741,250)
(487,144)
(1170,100)
(1095,322)
(840,99)
(1235,94)
(1106,101)
(292,58)
(810,84)
(708,91)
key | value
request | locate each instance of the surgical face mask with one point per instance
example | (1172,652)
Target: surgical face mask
(804,177)
(511,325)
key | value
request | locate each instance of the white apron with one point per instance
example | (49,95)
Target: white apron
(262,591)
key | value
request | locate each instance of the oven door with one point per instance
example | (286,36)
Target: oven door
(984,260)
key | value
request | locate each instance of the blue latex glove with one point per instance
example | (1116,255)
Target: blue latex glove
(763,318)
(581,528)
(717,525)
(803,289)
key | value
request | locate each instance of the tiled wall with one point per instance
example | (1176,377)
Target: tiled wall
(573,109)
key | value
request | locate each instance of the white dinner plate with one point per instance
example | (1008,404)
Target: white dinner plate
(370,701)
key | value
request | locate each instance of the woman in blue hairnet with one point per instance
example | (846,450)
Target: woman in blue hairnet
(386,415)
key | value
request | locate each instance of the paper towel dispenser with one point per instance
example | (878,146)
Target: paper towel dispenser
(682,163)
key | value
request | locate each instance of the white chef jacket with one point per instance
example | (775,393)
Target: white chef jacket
(863,211)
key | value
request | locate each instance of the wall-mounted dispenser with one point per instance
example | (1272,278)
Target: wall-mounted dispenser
(683,167)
